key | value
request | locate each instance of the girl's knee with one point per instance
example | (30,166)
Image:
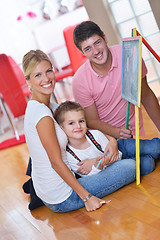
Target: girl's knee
(147,164)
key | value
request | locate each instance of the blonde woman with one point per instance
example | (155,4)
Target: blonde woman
(53,180)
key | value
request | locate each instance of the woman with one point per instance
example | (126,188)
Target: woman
(53,180)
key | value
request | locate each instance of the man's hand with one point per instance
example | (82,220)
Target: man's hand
(125,133)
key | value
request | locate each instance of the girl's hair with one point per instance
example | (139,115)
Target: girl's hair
(31,60)
(66,107)
(84,31)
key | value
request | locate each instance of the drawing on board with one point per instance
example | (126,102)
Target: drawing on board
(131,69)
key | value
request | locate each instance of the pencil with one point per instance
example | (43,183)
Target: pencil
(105,202)
(99,163)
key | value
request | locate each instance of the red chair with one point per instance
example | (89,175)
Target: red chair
(13,90)
(60,72)
(20,76)
(75,55)
(64,73)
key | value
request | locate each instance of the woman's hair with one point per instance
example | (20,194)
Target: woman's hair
(31,60)
(84,31)
(64,107)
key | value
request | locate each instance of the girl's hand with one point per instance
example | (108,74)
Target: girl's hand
(94,203)
(86,165)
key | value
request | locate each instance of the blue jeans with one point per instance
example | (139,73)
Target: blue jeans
(101,184)
(116,175)
(149,152)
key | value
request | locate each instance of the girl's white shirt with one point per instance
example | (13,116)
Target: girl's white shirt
(90,152)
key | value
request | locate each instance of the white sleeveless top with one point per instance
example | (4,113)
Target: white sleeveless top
(49,186)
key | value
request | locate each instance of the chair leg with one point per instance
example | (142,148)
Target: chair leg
(1,114)
(3,107)
(54,97)
(16,133)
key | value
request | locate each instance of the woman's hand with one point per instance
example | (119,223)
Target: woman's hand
(111,153)
(94,203)
(86,165)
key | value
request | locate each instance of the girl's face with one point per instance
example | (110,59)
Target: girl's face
(74,124)
(42,79)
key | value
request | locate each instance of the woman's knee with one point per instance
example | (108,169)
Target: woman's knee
(127,170)
(129,165)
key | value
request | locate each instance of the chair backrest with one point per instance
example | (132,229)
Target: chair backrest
(75,55)
(20,76)
(10,87)
(17,70)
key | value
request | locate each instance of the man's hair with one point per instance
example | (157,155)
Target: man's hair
(64,107)
(84,31)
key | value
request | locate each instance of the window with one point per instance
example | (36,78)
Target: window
(129,14)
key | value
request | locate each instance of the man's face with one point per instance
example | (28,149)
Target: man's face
(95,49)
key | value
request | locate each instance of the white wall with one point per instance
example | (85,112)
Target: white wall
(99,12)
(49,35)
(18,37)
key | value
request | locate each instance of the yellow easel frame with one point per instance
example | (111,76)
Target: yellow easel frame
(137,110)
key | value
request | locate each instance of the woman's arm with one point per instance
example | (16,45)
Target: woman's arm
(47,134)
(111,149)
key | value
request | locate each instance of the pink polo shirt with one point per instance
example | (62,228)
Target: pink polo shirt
(105,91)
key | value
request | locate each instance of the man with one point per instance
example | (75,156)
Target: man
(97,85)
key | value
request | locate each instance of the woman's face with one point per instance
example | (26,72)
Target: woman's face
(42,79)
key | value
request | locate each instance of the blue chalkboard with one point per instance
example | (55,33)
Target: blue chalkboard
(131,69)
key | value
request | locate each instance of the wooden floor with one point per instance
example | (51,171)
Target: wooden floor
(133,214)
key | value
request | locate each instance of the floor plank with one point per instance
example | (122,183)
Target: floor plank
(133,214)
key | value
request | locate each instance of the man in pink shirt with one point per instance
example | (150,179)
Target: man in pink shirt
(97,85)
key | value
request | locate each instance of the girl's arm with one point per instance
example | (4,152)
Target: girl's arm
(47,134)
(111,154)
(87,164)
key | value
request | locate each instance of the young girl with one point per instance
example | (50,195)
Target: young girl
(53,180)
(83,144)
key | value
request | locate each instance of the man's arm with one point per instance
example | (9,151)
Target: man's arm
(150,103)
(94,122)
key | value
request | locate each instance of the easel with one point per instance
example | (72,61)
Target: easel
(137,111)
(136,33)
(131,84)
